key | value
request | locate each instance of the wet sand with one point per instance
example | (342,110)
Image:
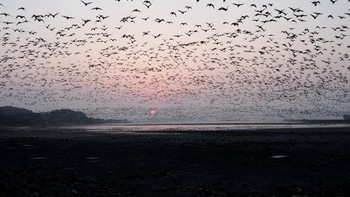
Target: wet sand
(281,162)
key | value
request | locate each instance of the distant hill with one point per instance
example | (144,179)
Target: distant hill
(346,117)
(9,111)
(13,116)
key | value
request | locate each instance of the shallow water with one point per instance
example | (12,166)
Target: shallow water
(120,128)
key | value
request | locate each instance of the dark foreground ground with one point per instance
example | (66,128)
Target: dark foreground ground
(286,162)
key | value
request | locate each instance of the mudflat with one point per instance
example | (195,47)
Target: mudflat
(265,162)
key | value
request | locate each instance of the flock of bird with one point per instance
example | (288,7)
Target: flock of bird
(201,53)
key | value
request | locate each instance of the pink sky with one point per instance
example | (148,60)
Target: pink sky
(199,58)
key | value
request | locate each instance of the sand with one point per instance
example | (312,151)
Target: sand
(280,162)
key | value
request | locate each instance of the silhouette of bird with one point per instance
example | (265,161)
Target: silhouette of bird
(210,5)
(5,14)
(280,11)
(85,21)
(182,12)
(96,8)
(53,15)
(147,3)
(238,4)
(135,10)
(86,3)
(223,9)
(316,3)
(20,17)
(67,17)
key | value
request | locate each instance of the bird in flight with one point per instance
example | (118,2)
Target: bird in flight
(86,3)
(315,2)
(67,17)
(22,8)
(223,8)
(96,8)
(147,3)
(53,15)
(238,4)
(210,5)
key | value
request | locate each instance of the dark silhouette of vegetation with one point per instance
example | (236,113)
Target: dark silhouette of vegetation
(346,117)
(13,116)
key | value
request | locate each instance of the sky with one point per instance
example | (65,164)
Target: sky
(262,58)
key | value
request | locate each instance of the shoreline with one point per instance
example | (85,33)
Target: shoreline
(186,127)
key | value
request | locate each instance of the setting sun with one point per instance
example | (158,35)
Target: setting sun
(152,111)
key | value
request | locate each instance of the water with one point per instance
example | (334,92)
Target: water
(171,127)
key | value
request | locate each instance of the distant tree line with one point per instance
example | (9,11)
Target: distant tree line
(13,116)
(346,117)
